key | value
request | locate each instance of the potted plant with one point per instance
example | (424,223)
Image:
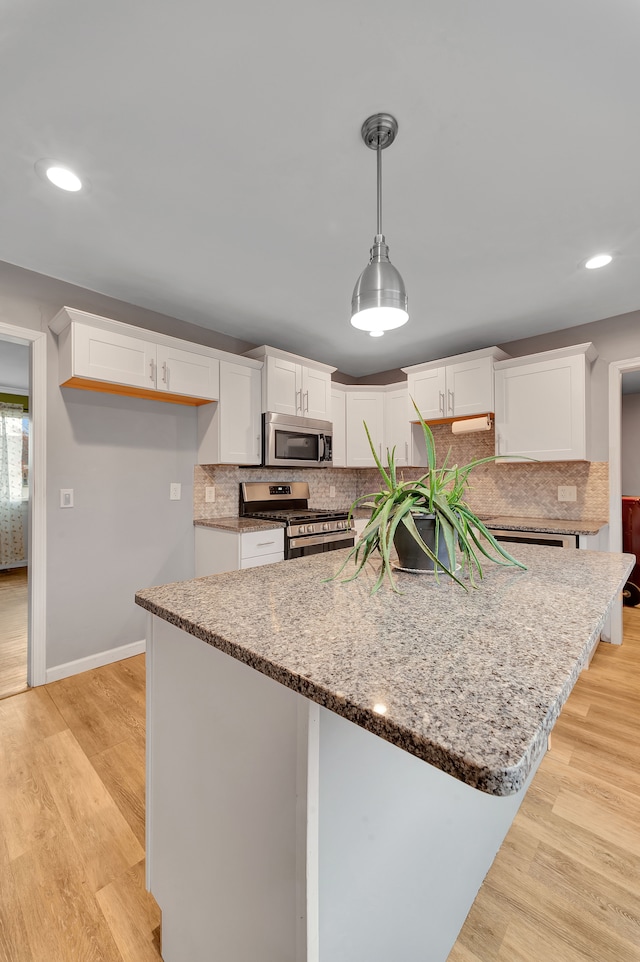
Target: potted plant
(426,520)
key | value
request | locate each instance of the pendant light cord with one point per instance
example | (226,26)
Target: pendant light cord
(379,174)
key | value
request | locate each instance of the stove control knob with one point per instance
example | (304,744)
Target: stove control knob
(326,526)
(302,529)
(310,529)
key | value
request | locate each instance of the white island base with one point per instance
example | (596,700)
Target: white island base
(278,831)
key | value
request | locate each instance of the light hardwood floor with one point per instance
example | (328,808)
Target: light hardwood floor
(13,631)
(565,885)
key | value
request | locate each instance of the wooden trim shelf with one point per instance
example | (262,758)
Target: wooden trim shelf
(460,417)
(88,384)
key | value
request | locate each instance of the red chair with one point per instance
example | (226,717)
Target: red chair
(631,545)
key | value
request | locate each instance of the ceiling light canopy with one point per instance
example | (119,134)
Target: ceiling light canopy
(379,301)
(599,260)
(60,175)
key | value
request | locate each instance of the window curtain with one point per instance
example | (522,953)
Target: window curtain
(11,509)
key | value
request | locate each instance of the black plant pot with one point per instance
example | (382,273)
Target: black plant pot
(411,555)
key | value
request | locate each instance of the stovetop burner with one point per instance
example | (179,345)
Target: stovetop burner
(300,515)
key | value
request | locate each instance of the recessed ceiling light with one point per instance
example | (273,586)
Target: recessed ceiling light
(376,333)
(600,260)
(60,175)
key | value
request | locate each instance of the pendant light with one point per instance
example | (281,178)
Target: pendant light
(379,301)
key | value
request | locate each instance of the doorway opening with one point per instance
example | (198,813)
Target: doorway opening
(623,376)
(15,459)
(35,342)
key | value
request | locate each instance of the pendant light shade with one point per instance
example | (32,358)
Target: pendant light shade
(379,301)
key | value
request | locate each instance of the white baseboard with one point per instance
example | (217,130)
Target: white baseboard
(95,661)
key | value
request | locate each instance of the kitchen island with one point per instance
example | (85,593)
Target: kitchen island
(330,774)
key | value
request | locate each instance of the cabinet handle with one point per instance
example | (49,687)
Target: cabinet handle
(152,371)
(165,372)
(299,404)
(498,444)
(261,544)
(306,401)
(441,402)
(406,451)
(258,445)
(450,399)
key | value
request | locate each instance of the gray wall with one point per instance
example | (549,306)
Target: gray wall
(14,366)
(119,455)
(631,445)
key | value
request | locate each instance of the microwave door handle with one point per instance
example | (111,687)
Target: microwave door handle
(321,450)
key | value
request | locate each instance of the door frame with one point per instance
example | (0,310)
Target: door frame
(616,370)
(37,542)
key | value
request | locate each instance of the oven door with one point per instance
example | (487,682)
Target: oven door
(296,442)
(317,543)
(535,537)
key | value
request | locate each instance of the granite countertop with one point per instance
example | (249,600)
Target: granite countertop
(471,682)
(545,525)
(238,525)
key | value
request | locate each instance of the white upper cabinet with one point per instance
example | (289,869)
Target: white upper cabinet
(454,387)
(397,426)
(339,420)
(96,353)
(364,406)
(230,432)
(188,373)
(110,356)
(294,385)
(542,404)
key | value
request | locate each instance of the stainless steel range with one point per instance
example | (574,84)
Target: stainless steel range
(308,530)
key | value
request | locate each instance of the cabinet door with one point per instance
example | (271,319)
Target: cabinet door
(239,414)
(187,372)
(367,407)
(118,358)
(397,424)
(427,388)
(316,393)
(469,388)
(541,409)
(284,387)
(338,419)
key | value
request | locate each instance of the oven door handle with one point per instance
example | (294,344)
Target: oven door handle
(321,539)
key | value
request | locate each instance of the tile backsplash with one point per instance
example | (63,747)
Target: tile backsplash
(520,489)
(227,478)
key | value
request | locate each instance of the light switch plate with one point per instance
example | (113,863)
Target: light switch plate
(66,497)
(210,493)
(175,491)
(567,492)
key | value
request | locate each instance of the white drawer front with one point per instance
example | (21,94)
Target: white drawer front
(263,559)
(255,544)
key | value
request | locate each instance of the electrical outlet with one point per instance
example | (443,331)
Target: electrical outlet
(332,490)
(175,491)
(567,492)
(210,493)
(66,497)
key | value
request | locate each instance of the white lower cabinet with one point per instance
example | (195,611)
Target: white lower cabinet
(230,432)
(218,550)
(542,405)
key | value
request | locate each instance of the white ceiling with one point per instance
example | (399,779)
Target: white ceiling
(230,187)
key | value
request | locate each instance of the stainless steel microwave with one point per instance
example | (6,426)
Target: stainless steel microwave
(296,442)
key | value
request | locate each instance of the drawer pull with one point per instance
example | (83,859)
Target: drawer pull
(261,544)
